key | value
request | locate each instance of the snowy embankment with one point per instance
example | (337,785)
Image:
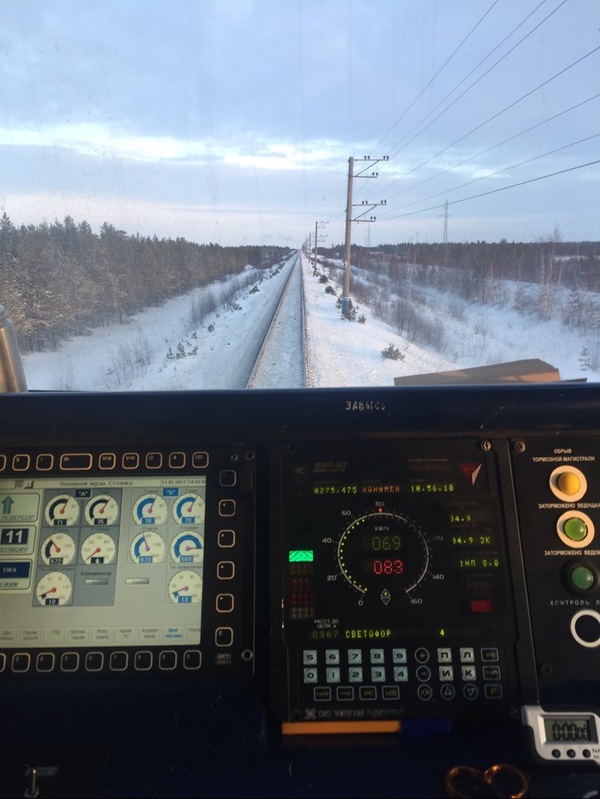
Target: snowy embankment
(162,348)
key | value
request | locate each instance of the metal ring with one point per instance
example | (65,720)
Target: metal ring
(467,772)
(491,774)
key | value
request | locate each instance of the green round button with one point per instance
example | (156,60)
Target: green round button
(582,578)
(575,529)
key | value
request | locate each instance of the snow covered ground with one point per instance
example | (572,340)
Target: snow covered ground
(160,349)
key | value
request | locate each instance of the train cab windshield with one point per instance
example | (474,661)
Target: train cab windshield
(273,194)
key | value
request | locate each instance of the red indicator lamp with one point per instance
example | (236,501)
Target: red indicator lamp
(482,606)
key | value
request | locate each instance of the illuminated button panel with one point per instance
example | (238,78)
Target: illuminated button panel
(574,527)
(557,487)
(100,661)
(108,461)
(396,674)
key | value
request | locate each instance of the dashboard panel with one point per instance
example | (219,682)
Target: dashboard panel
(270,586)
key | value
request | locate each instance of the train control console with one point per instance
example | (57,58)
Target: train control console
(329,592)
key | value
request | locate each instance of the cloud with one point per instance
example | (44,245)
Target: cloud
(262,102)
(96,140)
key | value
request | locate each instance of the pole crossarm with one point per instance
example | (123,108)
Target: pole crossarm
(369,162)
(368,207)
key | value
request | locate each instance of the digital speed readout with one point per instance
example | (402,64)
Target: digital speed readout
(385,561)
(383,544)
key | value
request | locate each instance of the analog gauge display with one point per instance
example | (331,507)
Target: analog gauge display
(185,587)
(54,588)
(148,547)
(383,553)
(150,509)
(62,511)
(102,510)
(98,548)
(189,509)
(188,547)
(58,549)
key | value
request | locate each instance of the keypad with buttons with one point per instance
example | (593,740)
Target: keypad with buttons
(402,674)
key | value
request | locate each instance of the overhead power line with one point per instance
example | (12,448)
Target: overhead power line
(440,70)
(499,189)
(500,171)
(498,144)
(399,148)
(499,113)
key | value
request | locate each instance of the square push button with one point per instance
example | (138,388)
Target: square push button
(226,538)
(225,570)
(107,460)
(44,462)
(227,507)
(44,661)
(224,603)
(224,636)
(177,460)
(118,661)
(154,460)
(200,460)
(228,477)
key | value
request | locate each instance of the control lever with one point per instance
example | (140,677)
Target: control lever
(12,376)
(32,791)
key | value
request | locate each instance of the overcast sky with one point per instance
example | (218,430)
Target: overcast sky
(232,121)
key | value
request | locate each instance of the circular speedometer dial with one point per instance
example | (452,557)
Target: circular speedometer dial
(383,552)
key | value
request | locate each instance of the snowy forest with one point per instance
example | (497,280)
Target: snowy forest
(550,279)
(59,279)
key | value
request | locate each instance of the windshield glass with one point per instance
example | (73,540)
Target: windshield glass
(271,193)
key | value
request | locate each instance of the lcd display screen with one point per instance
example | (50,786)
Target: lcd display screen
(113,561)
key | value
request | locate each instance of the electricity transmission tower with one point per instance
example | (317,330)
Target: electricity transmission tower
(445,238)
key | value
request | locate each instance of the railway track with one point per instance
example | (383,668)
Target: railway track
(279,357)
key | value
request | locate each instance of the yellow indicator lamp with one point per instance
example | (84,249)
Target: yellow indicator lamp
(568,483)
